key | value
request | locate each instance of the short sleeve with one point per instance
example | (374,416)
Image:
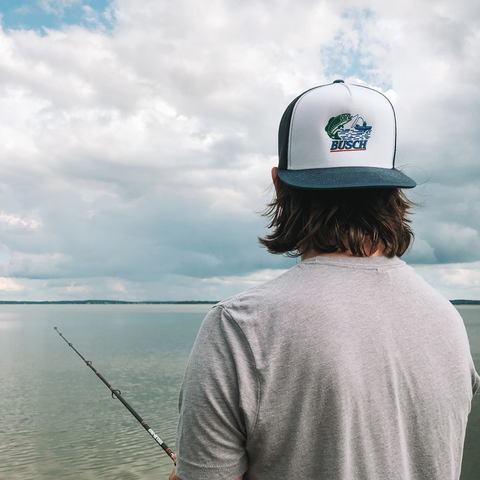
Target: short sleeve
(218,402)
(476,382)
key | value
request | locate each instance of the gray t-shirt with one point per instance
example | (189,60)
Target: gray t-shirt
(339,369)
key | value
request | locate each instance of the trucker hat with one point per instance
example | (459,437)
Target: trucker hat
(339,136)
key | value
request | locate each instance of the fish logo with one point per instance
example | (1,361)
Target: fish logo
(335,124)
(349,133)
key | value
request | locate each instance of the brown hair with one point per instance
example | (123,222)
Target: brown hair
(328,221)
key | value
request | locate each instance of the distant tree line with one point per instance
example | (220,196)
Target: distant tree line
(465,302)
(180,302)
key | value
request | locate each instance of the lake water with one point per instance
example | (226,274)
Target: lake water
(58,421)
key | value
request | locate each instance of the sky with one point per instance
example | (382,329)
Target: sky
(137,137)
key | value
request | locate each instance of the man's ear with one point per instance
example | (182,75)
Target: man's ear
(275,178)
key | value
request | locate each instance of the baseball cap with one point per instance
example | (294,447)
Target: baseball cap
(339,136)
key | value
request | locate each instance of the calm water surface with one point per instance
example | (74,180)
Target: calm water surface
(58,421)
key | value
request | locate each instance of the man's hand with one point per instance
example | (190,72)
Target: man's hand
(173,475)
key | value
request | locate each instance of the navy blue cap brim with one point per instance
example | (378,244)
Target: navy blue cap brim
(345,177)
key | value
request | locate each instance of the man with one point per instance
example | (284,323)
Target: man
(348,366)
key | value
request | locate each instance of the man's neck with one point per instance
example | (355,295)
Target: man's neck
(368,245)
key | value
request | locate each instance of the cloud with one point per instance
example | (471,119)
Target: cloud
(23,10)
(252,279)
(8,285)
(57,6)
(79,289)
(14,222)
(91,15)
(454,281)
(141,156)
(38,266)
(421,253)
(117,285)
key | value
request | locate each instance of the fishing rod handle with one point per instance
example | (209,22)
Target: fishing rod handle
(158,440)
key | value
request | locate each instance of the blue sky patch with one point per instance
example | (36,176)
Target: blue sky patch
(344,60)
(53,14)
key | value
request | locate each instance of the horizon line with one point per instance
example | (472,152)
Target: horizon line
(157,302)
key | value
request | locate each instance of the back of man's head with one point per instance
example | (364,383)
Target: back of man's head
(329,221)
(337,185)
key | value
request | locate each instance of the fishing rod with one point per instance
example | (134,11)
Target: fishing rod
(118,394)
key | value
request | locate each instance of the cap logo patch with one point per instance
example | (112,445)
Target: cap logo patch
(349,133)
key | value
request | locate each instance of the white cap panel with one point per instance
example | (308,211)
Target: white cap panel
(340,125)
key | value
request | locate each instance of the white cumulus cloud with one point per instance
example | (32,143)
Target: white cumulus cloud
(9,221)
(9,285)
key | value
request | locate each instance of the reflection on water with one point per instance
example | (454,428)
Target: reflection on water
(58,421)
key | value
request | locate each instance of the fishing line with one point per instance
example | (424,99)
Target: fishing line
(118,394)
